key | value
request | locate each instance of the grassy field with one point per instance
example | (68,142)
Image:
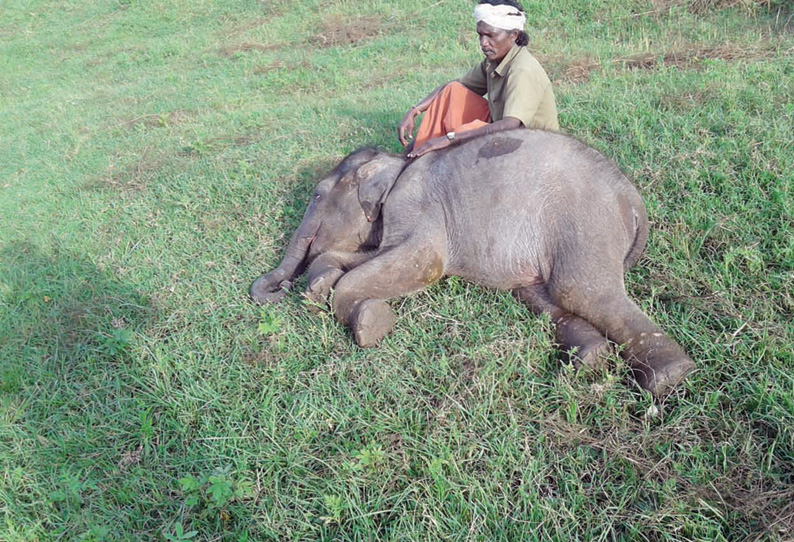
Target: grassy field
(155,157)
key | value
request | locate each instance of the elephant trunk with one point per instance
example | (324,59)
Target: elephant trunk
(272,287)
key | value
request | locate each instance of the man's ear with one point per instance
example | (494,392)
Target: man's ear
(375,180)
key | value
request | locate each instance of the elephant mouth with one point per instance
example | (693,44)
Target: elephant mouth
(312,249)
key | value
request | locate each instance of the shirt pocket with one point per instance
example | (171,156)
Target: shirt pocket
(496,92)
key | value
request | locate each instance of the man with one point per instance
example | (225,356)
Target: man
(519,91)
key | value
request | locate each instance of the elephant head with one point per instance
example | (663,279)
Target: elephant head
(343,215)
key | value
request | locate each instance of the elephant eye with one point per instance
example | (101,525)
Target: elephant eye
(322,189)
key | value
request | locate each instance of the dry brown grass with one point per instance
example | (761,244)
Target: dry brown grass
(134,177)
(574,71)
(336,31)
(705,6)
(744,490)
(695,55)
(280,65)
(580,69)
(159,120)
(247,47)
(243,28)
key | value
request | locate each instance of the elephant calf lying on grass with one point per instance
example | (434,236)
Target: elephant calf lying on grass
(534,212)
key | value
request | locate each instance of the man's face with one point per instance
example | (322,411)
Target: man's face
(495,42)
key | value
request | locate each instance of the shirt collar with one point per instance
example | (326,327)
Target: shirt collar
(502,66)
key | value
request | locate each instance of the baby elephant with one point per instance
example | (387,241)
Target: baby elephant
(533,212)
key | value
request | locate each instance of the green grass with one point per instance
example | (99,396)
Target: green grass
(155,157)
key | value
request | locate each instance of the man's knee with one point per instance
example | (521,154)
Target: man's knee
(455,86)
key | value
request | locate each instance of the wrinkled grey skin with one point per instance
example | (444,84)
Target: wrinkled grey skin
(534,212)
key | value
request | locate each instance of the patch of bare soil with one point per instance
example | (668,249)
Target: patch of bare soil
(339,31)
(247,47)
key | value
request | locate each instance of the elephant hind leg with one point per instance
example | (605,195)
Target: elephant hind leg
(657,362)
(582,344)
(359,296)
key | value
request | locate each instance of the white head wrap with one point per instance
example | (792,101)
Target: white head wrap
(503,17)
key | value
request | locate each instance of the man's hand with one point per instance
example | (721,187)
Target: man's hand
(432,145)
(406,129)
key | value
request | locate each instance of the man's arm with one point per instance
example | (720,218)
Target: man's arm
(507,123)
(406,129)
(475,80)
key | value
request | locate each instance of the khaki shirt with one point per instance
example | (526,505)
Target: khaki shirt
(517,87)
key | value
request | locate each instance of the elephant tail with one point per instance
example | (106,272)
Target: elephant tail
(640,236)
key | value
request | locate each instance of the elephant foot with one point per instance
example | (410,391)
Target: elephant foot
(319,289)
(658,364)
(372,321)
(581,343)
(662,377)
(263,290)
(592,356)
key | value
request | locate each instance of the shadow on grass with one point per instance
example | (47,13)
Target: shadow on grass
(61,308)
(71,419)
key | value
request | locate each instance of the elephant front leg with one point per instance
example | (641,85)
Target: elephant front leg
(326,270)
(359,296)
(582,344)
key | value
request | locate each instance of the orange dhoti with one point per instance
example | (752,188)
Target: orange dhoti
(454,109)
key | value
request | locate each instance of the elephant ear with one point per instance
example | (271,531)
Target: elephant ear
(375,180)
